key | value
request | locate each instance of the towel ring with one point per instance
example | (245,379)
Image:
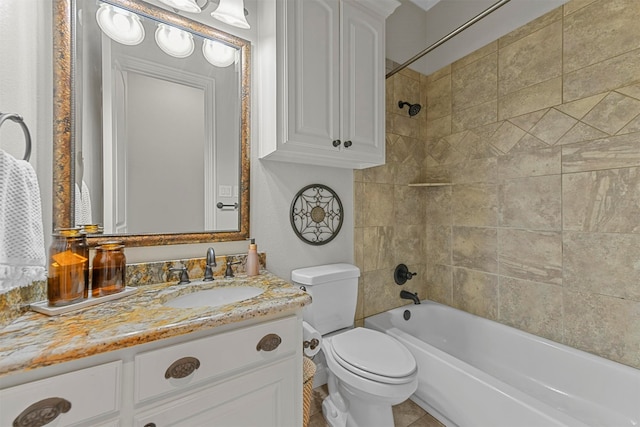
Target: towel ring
(27,136)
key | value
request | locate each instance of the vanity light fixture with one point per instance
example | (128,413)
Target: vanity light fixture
(183,5)
(120,25)
(218,54)
(174,41)
(231,12)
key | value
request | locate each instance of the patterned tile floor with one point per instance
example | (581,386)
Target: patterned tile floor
(406,414)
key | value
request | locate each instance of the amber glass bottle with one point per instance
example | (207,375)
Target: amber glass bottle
(109,269)
(68,267)
(89,230)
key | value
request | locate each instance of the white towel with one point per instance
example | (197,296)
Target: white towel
(83,205)
(22,253)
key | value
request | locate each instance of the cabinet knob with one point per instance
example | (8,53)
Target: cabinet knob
(182,368)
(269,342)
(348,144)
(336,142)
(150,425)
(42,413)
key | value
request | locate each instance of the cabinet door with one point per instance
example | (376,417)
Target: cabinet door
(363,85)
(264,397)
(313,75)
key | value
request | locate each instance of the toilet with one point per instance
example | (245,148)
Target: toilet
(368,371)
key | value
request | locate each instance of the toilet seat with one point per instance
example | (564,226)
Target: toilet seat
(373,355)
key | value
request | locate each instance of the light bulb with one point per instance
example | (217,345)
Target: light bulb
(120,25)
(174,41)
(218,54)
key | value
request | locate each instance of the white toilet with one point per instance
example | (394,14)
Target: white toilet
(369,371)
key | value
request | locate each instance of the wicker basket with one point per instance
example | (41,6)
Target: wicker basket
(308,371)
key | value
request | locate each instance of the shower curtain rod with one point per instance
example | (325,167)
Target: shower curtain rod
(449,36)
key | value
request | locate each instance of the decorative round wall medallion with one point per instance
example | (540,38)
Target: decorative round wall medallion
(316,214)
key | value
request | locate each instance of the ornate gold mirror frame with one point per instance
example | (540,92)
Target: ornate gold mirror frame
(64,118)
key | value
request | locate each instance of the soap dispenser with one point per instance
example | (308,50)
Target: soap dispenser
(253,265)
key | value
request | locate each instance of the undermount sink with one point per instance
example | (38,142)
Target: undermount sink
(215,297)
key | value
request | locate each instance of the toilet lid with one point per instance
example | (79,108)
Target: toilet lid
(374,355)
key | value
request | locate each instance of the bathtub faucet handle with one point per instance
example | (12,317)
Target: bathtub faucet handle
(402,274)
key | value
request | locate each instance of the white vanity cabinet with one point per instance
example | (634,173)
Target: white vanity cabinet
(330,92)
(244,374)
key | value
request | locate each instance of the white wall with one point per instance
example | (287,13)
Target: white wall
(273,187)
(26,88)
(18,68)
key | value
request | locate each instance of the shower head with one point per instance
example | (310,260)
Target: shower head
(413,108)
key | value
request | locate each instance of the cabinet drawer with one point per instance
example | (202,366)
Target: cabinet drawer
(76,396)
(177,367)
(262,398)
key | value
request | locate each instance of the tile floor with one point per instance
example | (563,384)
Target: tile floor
(406,414)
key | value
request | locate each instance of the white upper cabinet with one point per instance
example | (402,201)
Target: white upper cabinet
(329,67)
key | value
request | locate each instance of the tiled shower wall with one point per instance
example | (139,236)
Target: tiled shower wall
(539,134)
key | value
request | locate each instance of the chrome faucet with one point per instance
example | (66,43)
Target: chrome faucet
(408,295)
(211,263)
(184,274)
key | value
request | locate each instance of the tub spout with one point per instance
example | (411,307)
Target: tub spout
(408,295)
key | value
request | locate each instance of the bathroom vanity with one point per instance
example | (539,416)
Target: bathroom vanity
(138,361)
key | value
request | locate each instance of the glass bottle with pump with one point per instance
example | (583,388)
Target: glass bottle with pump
(109,269)
(68,267)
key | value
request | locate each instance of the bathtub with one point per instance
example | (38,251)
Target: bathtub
(479,373)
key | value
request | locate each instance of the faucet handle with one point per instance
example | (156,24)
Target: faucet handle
(229,271)
(184,274)
(402,274)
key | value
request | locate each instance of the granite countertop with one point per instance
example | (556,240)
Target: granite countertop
(36,340)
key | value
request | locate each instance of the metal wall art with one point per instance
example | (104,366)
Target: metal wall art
(316,214)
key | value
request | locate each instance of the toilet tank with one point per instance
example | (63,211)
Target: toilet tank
(334,292)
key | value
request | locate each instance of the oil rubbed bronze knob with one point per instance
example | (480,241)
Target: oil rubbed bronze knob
(42,413)
(269,342)
(348,144)
(182,368)
(336,142)
(150,425)
(402,274)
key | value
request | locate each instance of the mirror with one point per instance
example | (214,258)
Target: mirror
(151,127)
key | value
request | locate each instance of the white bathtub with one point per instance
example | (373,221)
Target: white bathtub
(479,373)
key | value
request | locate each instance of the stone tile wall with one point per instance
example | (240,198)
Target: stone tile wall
(539,134)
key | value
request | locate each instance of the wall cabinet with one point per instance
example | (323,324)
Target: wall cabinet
(243,377)
(330,92)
